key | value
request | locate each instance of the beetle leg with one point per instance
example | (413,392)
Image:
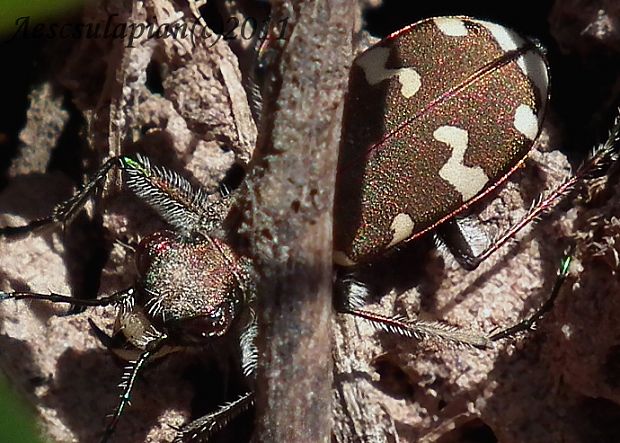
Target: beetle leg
(129,380)
(64,211)
(183,206)
(530,322)
(420,329)
(352,296)
(202,428)
(247,343)
(601,158)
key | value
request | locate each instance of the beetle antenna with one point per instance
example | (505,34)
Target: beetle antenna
(120,297)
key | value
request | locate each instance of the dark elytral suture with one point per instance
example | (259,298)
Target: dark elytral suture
(192,287)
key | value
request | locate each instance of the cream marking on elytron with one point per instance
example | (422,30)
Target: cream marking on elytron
(451,26)
(505,38)
(402,228)
(526,122)
(533,65)
(530,63)
(373,63)
(467,180)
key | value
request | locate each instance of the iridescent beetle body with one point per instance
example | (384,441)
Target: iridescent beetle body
(436,114)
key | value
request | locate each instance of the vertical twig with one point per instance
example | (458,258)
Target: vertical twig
(289,224)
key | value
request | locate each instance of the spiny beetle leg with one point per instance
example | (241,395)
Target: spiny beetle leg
(125,298)
(185,207)
(181,205)
(352,295)
(129,380)
(421,330)
(202,428)
(122,298)
(530,322)
(64,211)
(601,158)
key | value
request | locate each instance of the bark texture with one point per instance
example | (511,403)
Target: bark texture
(288,204)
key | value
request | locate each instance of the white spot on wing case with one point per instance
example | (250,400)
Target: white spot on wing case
(526,122)
(534,67)
(402,226)
(373,63)
(532,63)
(506,38)
(451,26)
(467,180)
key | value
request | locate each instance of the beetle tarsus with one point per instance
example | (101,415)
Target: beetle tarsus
(530,322)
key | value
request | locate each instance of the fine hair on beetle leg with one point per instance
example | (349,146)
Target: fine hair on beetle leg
(529,323)
(600,158)
(161,313)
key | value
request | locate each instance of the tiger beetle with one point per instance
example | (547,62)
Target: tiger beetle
(437,115)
